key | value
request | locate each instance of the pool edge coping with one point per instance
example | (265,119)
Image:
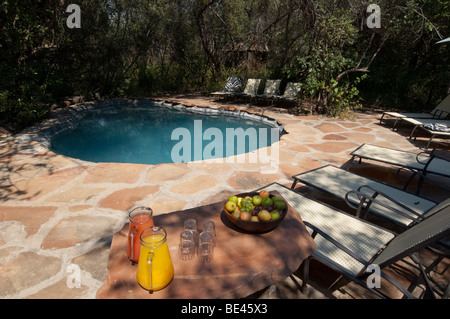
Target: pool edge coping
(67,117)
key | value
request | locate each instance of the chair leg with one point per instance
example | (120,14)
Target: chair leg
(419,184)
(429,291)
(335,283)
(412,133)
(294,183)
(396,126)
(305,278)
(409,180)
(351,161)
(446,294)
(429,141)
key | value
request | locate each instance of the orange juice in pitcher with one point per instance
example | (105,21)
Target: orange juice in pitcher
(155,268)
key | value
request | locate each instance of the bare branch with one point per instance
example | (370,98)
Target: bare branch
(357,68)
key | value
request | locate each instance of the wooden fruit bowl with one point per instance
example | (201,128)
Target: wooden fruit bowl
(256,226)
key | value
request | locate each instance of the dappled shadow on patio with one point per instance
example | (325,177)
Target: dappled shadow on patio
(32,176)
(28,170)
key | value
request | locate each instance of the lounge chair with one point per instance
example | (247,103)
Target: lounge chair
(436,128)
(422,163)
(368,196)
(442,110)
(232,87)
(271,89)
(291,92)
(251,88)
(350,245)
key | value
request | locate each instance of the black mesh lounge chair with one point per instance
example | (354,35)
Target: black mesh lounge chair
(421,164)
(350,245)
(232,87)
(442,110)
(369,196)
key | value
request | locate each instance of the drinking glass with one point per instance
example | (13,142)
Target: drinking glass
(211,227)
(191,224)
(206,247)
(187,245)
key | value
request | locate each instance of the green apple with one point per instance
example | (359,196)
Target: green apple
(264,215)
(256,200)
(230,206)
(266,202)
(276,198)
(233,198)
(280,204)
(237,213)
(274,214)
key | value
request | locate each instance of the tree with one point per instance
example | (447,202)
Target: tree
(136,47)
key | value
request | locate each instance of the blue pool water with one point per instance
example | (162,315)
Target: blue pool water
(155,135)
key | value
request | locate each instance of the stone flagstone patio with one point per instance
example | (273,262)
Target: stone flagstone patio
(58,214)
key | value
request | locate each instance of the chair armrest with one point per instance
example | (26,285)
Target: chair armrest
(366,200)
(366,263)
(430,158)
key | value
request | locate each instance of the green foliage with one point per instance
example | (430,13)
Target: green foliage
(344,98)
(412,72)
(139,48)
(318,70)
(24,112)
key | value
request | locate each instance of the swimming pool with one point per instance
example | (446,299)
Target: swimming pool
(154,134)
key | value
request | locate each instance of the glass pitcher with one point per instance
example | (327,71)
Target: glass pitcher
(155,268)
(140,219)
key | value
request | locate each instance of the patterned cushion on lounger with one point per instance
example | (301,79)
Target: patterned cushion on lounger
(440,127)
(233,84)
